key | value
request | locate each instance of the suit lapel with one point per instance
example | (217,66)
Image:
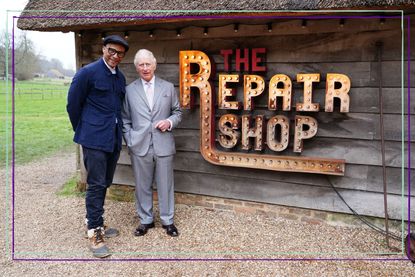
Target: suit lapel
(141,93)
(157,91)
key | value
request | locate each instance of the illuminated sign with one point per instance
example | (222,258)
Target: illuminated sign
(272,132)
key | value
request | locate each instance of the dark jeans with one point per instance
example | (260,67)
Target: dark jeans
(100,168)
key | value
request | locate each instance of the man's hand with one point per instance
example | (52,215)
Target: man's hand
(163,125)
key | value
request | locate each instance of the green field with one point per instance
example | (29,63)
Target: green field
(41,126)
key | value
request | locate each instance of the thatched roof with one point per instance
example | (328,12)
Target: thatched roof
(72,15)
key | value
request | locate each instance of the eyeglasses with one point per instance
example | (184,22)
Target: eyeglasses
(112,52)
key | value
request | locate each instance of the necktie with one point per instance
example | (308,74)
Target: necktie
(149,94)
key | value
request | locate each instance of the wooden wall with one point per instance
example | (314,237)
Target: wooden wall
(322,47)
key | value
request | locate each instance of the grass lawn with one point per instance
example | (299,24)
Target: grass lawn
(42,126)
(70,188)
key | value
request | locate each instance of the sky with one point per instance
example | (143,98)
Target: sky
(56,45)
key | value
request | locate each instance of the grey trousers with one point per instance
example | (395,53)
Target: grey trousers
(147,170)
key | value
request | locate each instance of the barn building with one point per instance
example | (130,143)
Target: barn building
(368,44)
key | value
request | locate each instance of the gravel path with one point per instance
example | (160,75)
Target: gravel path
(48,226)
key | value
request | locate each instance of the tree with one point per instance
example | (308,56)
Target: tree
(26,62)
(3,52)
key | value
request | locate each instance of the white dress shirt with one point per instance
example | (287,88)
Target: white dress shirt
(149,91)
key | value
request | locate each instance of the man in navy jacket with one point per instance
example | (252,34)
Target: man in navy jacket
(94,106)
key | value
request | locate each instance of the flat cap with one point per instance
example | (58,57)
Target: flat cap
(116,40)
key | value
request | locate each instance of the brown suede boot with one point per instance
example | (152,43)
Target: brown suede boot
(97,244)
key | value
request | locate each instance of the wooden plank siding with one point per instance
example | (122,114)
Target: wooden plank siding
(323,47)
(357,177)
(338,125)
(277,192)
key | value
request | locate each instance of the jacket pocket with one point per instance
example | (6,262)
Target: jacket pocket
(94,121)
(101,85)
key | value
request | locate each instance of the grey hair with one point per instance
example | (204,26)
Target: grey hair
(144,53)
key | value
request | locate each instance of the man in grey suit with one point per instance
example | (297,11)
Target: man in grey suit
(151,111)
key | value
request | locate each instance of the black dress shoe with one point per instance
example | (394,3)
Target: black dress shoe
(171,230)
(142,229)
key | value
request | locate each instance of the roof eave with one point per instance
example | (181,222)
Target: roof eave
(23,25)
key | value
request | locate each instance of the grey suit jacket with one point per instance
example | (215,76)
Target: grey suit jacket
(139,121)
